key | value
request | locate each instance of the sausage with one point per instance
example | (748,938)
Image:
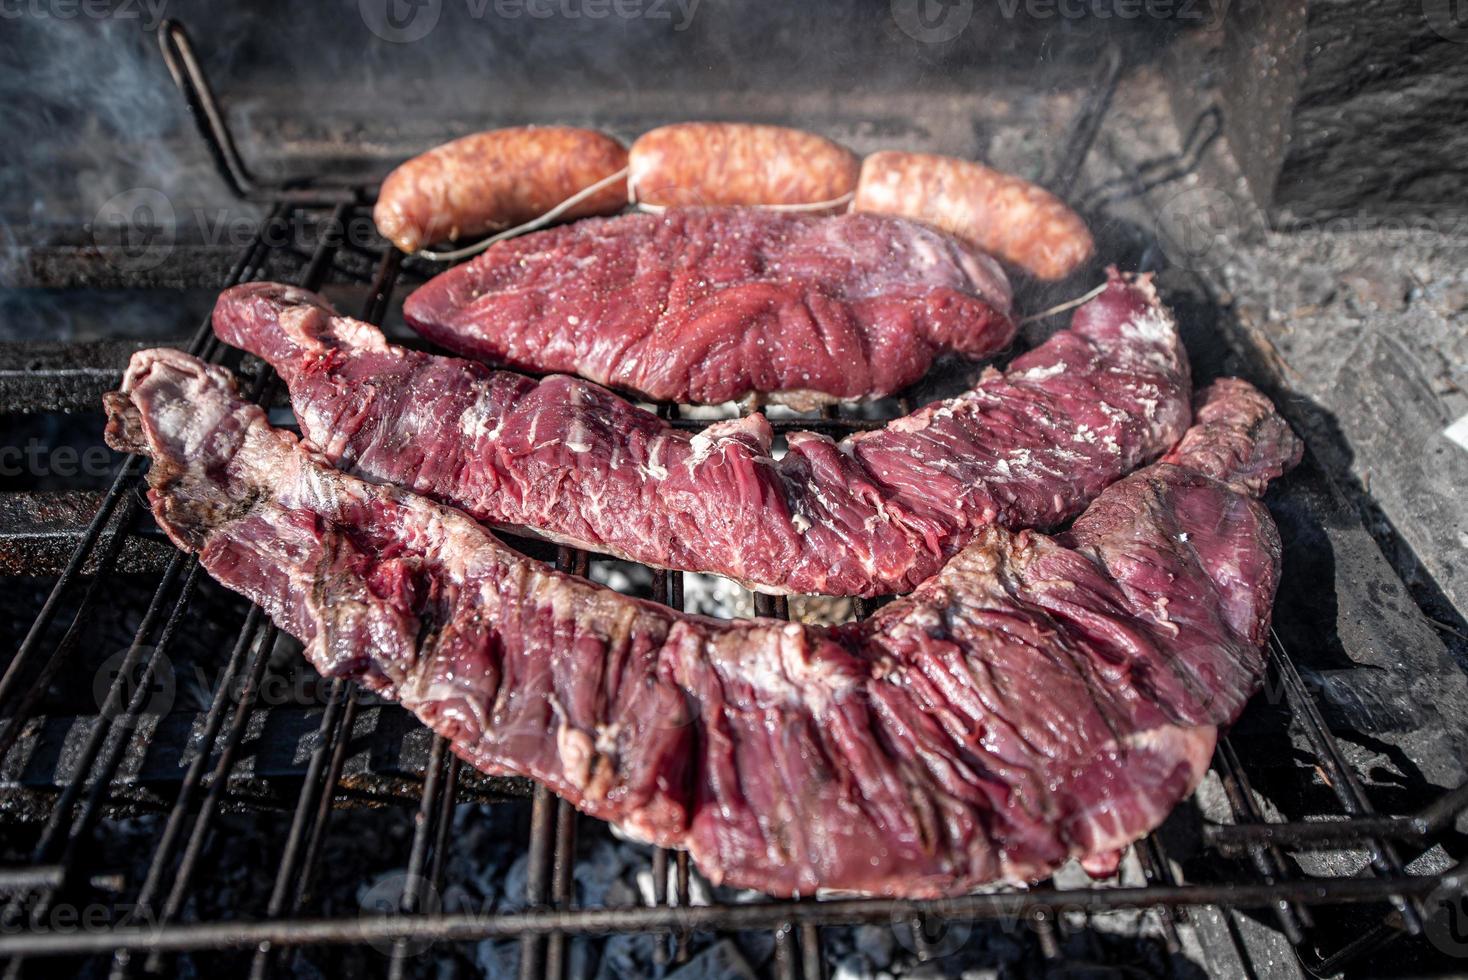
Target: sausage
(702,163)
(1010,218)
(497,179)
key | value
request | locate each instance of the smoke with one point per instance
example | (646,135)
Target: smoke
(89,112)
(347,88)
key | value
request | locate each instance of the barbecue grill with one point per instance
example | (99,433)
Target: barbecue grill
(1329,826)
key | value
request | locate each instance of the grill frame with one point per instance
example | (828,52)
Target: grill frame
(152,930)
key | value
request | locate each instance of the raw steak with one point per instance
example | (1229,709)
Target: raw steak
(876,513)
(1039,699)
(712,304)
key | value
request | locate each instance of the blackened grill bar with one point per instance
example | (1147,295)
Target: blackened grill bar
(1239,890)
(1294,891)
(1098,900)
(1011,906)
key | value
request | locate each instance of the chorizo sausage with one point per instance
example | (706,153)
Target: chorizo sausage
(497,179)
(1010,218)
(703,163)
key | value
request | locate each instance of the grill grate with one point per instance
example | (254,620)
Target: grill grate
(152,929)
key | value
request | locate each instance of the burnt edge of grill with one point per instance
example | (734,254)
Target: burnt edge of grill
(429,776)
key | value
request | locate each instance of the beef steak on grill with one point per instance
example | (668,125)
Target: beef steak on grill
(1039,699)
(712,304)
(874,514)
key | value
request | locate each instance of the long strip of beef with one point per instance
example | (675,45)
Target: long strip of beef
(713,304)
(1039,699)
(875,513)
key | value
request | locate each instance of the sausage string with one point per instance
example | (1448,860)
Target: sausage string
(830,205)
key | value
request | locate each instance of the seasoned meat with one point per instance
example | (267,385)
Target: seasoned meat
(1037,700)
(873,514)
(709,305)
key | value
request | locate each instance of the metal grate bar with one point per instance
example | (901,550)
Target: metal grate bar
(1266,860)
(238,725)
(118,494)
(300,859)
(295,844)
(1157,871)
(341,741)
(188,75)
(564,857)
(561,882)
(1343,781)
(250,633)
(56,826)
(537,880)
(466,927)
(68,824)
(37,686)
(1414,829)
(660,896)
(423,831)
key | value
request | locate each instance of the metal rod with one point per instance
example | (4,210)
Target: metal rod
(468,926)
(60,819)
(35,688)
(118,494)
(341,742)
(310,279)
(1343,781)
(1267,860)
(12,681)
(659,885)
(684,897)
(183,806)
(1349,831)
(537,879)
(785,954)
(305,810)
(183,65)
(439,866)
(1088,123)
(238,725)
(1156,871)
(423,831)
(561,885)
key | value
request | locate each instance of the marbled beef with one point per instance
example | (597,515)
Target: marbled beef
(1039,699)
(712,304)
(876,513)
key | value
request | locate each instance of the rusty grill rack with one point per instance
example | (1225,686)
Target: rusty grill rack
(153,927)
